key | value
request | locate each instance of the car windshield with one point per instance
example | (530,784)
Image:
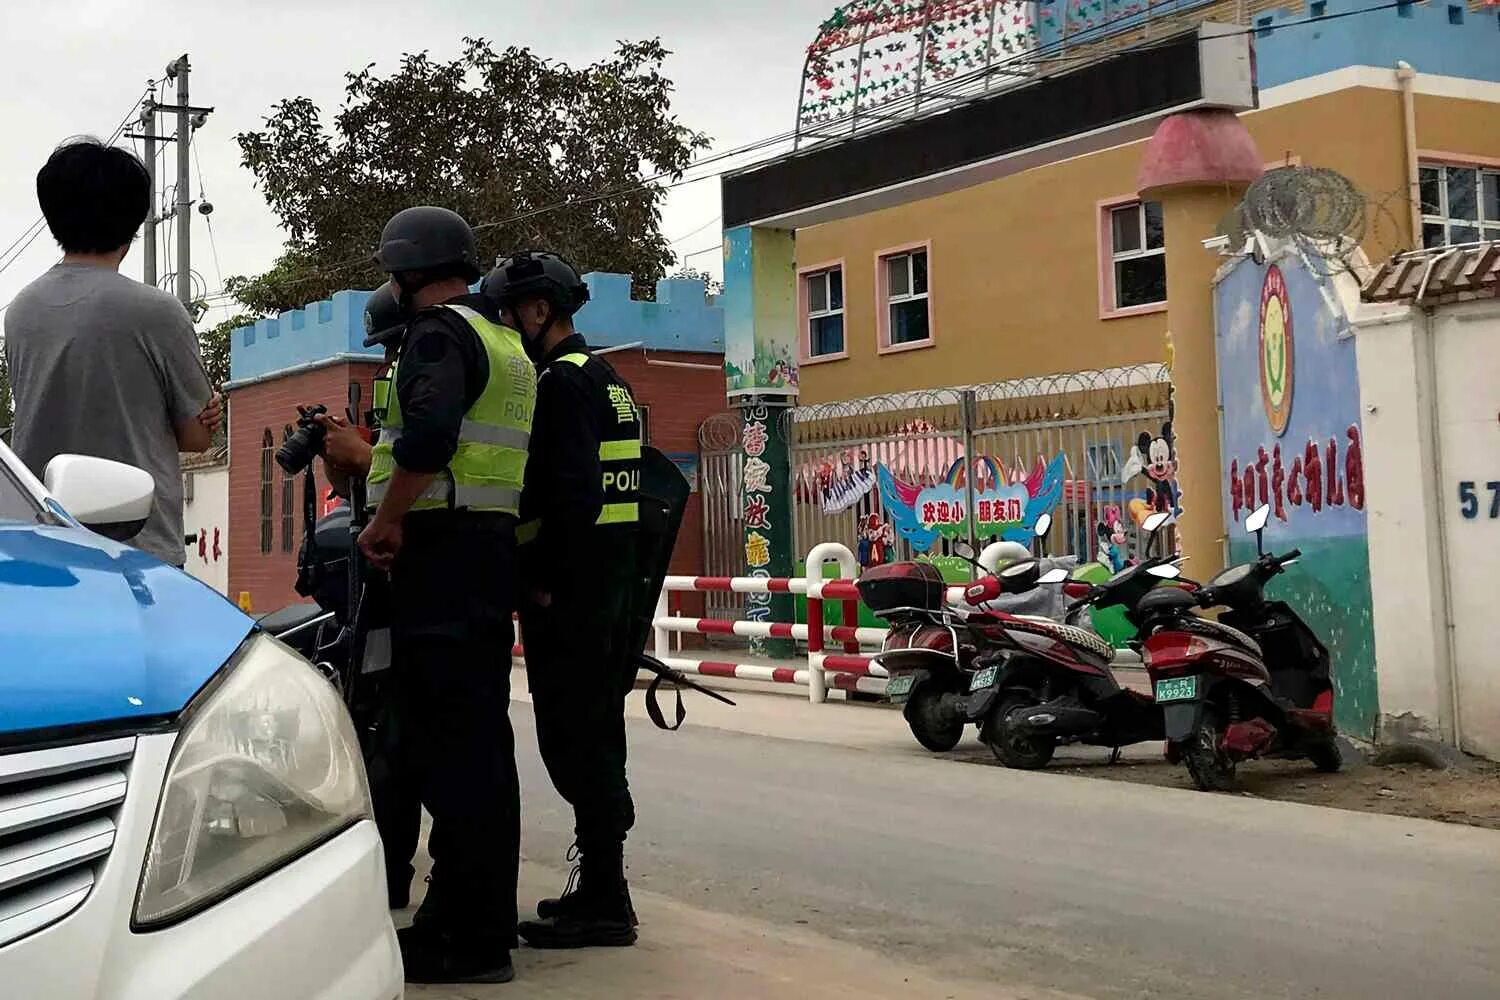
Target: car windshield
(15,503)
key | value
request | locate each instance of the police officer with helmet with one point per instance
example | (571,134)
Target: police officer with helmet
(579,515)
(444,485)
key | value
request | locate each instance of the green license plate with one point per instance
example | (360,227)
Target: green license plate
(899,686)
(984,678)
(1177,688)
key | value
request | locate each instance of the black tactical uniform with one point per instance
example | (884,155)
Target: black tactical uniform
(451,596)
(579,515)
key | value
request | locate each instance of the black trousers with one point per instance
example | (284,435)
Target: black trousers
(579,674)
(450,745)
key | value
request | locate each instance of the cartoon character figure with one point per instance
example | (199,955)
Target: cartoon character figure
(1113,542)
(875,539)
(1157,458)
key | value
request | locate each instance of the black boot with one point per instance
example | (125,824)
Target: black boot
(433,954)
(596,911)
(556,906)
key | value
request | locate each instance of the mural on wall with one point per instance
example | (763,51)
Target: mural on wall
(1290,424)
(760,313)
(1007,508)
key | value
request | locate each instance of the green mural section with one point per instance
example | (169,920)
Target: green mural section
(1330,588)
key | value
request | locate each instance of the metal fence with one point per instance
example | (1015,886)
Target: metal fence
(1094,420)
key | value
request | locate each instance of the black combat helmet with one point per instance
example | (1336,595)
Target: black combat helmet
(427,238)
(536,274)
(384,320)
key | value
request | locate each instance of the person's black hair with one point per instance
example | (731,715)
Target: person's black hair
(94,196)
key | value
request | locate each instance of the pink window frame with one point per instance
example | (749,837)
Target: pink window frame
(804,337)
(1106,261)
(883,299)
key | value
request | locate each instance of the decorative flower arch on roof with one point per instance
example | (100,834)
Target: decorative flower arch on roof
(874,60)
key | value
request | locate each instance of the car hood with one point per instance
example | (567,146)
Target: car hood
(92,631)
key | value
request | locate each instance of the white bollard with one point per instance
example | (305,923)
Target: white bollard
(663,640)
(817,683)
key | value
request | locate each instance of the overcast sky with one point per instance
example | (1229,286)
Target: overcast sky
(74,66)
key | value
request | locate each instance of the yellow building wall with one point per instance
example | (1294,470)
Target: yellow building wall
(1014,272)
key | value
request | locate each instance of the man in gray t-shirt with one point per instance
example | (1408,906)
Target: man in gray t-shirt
(100,364)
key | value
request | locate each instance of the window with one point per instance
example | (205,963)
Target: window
(267,449)
(1138,255)
(825,312)
(1320,8)
(908,317)
(1459,205)
(1455,14)
(1263,27)
(288,501)
(1404,8)
(1104,463)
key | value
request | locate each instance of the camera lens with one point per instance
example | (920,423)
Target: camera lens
(297,452)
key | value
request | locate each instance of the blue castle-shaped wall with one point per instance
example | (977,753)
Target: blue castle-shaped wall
(1441,37)
(681,319)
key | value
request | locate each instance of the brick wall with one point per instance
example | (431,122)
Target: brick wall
(254,409)
(678,400)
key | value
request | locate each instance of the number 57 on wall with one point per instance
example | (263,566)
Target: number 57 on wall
(1468,500)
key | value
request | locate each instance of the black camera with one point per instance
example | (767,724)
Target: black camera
(306,443)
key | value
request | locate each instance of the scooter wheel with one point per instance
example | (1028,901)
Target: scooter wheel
(936,729)
(1015,749)
(1211,769)
(1326,756)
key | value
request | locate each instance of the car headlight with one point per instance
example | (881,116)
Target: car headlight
(267,766)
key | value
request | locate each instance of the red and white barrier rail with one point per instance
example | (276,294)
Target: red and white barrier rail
(847,670)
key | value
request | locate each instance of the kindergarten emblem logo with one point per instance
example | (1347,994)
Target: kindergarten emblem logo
(1276,350)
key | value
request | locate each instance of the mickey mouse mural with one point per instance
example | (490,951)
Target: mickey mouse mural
(1156,458)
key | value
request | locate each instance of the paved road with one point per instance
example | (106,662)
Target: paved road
(1097,888)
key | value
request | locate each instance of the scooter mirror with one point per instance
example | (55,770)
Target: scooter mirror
(1155,521)
(1043,525)
(1256,522)
(1053,576)
(963,550)
(1166,571)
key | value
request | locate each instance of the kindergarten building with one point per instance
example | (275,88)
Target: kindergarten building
(669,350)
(989,278)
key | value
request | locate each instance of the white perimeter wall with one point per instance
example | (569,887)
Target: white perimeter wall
(209,509)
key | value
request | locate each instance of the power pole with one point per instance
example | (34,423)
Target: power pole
(189,118)
(148,123)
(179,70)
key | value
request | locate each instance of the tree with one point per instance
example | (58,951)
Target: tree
(532,152)
(213,343)
(712,285)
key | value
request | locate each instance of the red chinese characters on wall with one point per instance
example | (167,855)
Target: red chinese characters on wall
(1314,478)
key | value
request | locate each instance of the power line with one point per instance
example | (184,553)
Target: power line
(937,90)
(695,232)
(30,233)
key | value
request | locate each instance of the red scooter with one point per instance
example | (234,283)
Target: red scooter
(1254,683)
(933,652)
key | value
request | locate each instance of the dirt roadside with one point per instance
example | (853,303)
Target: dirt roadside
(1468,795)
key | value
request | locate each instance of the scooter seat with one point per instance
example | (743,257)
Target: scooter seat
(1078,638)
(289,617)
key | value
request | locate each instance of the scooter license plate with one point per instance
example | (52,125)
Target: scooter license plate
(984,678)
(1177,688)
(898,687)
